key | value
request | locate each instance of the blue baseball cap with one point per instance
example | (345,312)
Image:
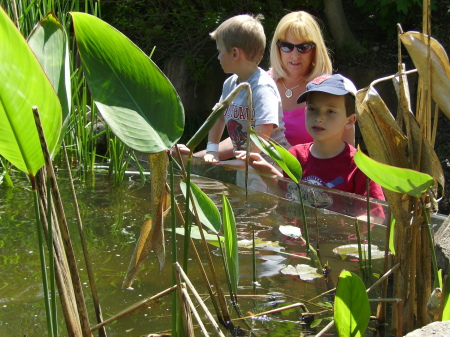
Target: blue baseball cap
(332,84)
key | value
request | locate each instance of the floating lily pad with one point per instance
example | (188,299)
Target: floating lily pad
(258,243)
(304,271)
(195,234)
(352,250)
(291,231)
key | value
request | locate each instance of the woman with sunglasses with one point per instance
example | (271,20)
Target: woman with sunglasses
(298,54)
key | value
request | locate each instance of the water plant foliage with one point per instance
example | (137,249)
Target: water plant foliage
(26,86)
(351,306)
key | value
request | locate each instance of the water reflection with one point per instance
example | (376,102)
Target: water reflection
(112,216)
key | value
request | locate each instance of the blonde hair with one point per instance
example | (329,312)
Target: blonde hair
(302,26)
(244,32)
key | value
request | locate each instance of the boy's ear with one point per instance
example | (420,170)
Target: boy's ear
(351,120)
(235,52)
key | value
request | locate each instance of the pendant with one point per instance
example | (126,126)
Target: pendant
(288,93)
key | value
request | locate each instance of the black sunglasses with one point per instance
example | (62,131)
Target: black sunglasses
(303,48)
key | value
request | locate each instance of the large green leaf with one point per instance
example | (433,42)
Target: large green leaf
(231,243)
(446,309)
(351,306)
(285,160)
(24,85)
(207,211)
(134,97)
(393,178)
(48,40)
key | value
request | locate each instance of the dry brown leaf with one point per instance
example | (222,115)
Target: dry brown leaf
(152,234)
(417,44)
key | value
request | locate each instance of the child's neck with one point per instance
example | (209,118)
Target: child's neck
(326,149)
(246,70)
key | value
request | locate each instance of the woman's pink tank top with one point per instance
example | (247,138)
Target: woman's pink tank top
(295,124)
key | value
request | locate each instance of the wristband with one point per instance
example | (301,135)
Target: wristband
(212,147)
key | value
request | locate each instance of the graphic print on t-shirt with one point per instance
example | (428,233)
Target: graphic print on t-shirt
(237,125)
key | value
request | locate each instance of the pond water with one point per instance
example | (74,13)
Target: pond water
(112,217)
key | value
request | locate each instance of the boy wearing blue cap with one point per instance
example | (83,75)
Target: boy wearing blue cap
(328,160)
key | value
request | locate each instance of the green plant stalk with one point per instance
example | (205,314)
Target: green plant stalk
(254,260)
(302,205)
(51,261)
(214,117)
(175,307)
(187,227)
(431,241)
(42,259)
(369,240)
(362,259)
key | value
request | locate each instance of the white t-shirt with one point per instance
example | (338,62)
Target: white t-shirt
(266,109)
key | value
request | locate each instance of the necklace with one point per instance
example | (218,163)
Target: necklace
(288,91)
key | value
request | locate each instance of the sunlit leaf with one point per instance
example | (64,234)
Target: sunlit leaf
(207,211)
(417,45)
(392,236)
(446,312)
(393,178)
(49,43)
(285,160)
(259,243)
(195,234)
(231,243)
(24,85)
(134,97)
(304,271)
(351,306)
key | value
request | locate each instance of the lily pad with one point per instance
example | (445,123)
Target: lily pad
(352,250)
(258,243)
(291,231)
(304,271)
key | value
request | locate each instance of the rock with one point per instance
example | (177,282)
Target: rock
(435,329)
(442,246)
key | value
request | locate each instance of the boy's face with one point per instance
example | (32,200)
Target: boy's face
(225,58)
(326,116)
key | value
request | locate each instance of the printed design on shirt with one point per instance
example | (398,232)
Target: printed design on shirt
(237,135)
(311,196)
(239,112)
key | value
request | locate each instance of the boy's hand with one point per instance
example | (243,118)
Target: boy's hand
(211,157)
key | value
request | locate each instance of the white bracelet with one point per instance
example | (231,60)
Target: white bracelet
(212,147)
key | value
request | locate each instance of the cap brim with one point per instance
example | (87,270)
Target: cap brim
(328,90)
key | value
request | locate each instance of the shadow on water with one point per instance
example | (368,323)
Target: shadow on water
(112,216)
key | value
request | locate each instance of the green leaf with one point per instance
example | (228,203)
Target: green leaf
(24,85)
(207,211)
(285,160)
(393,178)
(392,236)
(351,306)
(231,243)
(291,231)
(195,234)
(135,98)
(446,312)
(48,40)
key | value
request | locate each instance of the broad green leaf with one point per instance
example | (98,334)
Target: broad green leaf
(351,306)
(207,211)
(48,40)
(24,85)
(195,234)
(446,312)
(393,178)
(285,160)
(231,243)
(134,97)
(392,236)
